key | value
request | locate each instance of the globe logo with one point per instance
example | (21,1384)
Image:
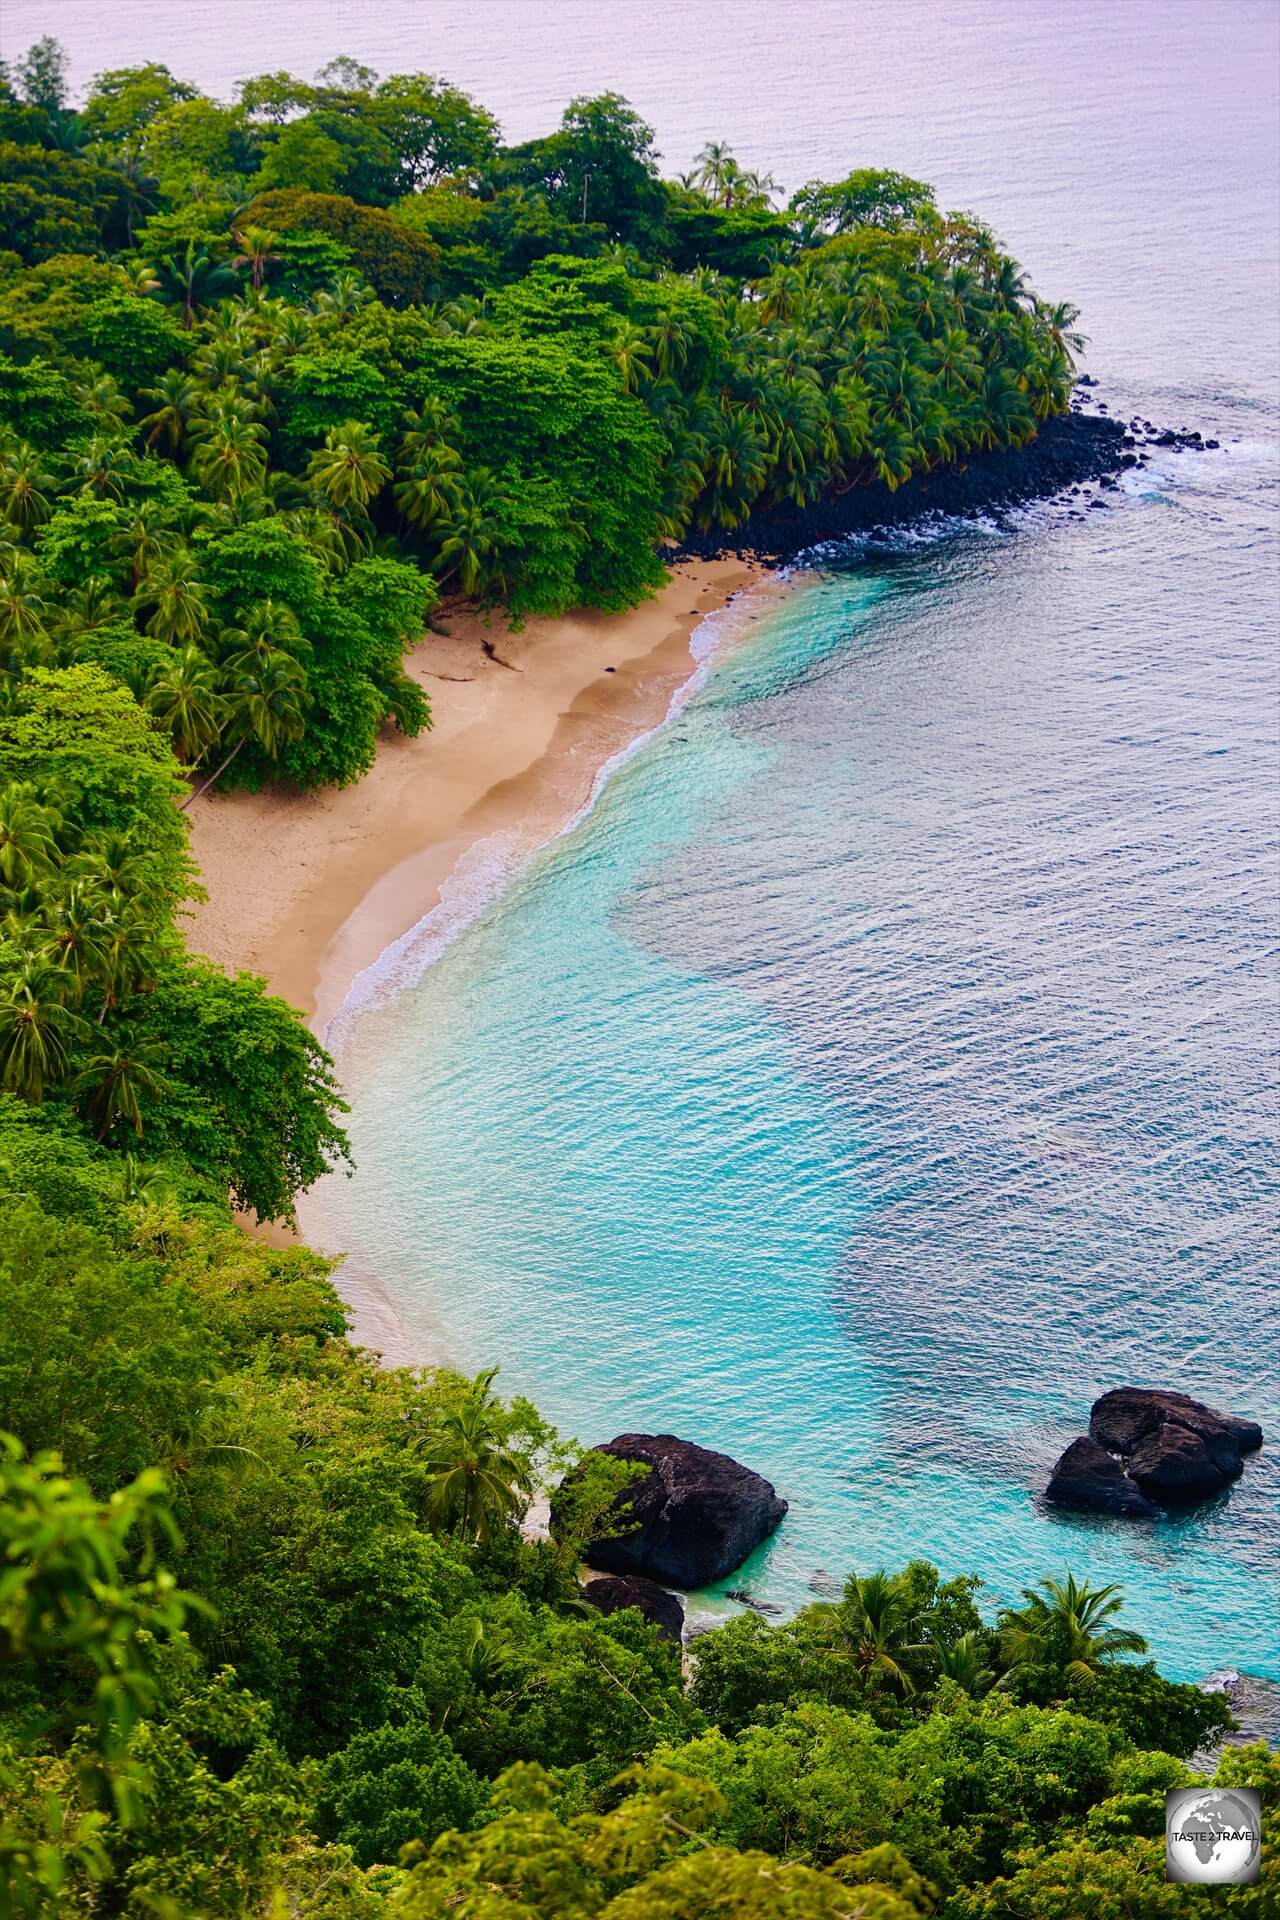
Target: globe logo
(1213,1836)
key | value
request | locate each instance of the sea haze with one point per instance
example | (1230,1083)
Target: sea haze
(887,1065)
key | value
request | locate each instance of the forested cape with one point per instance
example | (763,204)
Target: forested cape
(274,376)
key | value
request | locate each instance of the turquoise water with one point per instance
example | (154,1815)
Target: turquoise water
(885,1066)
(888,1064)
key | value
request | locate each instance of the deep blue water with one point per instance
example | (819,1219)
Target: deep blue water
(887,1064)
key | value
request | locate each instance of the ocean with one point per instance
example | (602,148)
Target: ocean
(886,1064)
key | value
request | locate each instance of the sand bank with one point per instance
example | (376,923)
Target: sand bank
(308,889)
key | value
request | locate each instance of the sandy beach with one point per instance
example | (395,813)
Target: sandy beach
(308,889)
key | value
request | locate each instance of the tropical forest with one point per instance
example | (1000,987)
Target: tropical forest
(281,1631)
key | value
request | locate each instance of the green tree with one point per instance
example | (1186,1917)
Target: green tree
(1063,1626)
(477,1482)
(192,279)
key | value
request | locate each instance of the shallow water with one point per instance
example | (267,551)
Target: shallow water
(887,1064)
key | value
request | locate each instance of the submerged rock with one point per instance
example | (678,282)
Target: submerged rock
(615,1591)
(1090,1479)
(693,1518)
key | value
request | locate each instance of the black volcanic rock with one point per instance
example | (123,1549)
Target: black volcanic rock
(692,1519)
(1090,1479)
(612,1592)
(1174,1447)
(1127,1415)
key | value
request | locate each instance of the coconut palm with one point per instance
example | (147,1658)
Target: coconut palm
(103,468)
(473,538)
(1063,1625)
(192,279)
(265,700)
(111,1086)
(427,487)
(25,486)
(140,540)
(38,1028)
(90,605)
(78,937)
(28,834)
(229,457)
(964,1662)
(269,627)
(186,699)
(631,352)
(737,470)
(24,609)
(349,469)
(343,298)
(177,399)
(876,1626)
(712,166)
(477,1484)
(257,252)
(102,402)
(172,588)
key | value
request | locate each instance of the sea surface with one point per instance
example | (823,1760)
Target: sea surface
(886,1064)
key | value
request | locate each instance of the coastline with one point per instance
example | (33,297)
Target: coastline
(309,889)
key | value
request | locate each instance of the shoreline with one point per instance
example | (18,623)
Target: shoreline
(310,889)
(517,744)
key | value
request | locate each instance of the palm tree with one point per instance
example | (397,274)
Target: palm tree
(179,605)
(343,298)
(876,1624)
(102,467)
(112,1085)
(177,398)
(712,166)
(473,540)
(25,485)
(230,455)
(477,1484)
(270,627)
(23,606)
(37,1027)
(631,352)
(28,834)
(349,470)
(185,699)
(266,699)
(79,936)
(427,487)
(964,1661)
(738,468)
(192,279)
(141,539)
(1063,1625)
(257,252)
(102,401)
(92,604)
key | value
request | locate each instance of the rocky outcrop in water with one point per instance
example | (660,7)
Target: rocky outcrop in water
(1148,1449)
(693,1518)
(1091,1480)
(615,1591)
(1175,1448)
